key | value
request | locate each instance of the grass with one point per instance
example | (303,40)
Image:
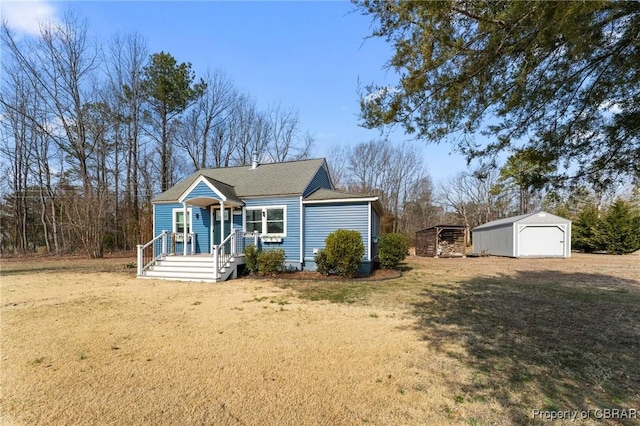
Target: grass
(455,341)
(115,263)
(542,337)
(333,291)
(38,360)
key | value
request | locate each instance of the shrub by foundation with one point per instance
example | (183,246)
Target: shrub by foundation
(270,262)
(251,258)
(322,264)
(392,250)
(344,250)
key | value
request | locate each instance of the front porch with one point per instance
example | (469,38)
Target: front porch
(209,210)
(201,237)
(159,259)
(198,267)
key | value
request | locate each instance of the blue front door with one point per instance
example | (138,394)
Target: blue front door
(216,225)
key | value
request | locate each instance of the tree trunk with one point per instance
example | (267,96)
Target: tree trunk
(164,154)
(54,223)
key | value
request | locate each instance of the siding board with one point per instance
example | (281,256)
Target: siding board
(291,242)
(497,241)
(201,222)
(202,190)
(322,219)
(163,221)
(375,233)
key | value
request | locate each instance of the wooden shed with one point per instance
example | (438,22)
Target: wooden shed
(442,241)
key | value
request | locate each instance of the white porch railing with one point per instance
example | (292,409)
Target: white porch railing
(178,238)
(147,253)
(223,252)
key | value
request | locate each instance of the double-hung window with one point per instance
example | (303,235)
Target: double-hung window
(254,221)
(266,220)
(275,221)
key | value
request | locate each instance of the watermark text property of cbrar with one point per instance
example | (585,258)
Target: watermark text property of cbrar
(593,413)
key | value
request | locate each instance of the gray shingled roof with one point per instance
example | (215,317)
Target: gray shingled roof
(513,219)
(329,194)
(226,190)
(288,178)
(324,194)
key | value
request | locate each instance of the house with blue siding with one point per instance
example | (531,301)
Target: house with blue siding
(202,225)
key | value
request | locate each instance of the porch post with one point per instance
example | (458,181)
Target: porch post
(212,225)
(164,243)
(184,229)
(222,236)
(215,262)
(233,242)
(140,258)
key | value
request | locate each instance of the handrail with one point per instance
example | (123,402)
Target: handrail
(146,258)
(222,256)
(178,237)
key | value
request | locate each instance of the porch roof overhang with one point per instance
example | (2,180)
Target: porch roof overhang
(205,191)
(204,202)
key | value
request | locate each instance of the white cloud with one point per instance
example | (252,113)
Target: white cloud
(611,106)
(25,16)
(384,91)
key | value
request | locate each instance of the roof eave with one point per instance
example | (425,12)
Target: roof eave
(341,200)
(294,194)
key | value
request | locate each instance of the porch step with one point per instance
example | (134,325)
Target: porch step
(201,264)
(190,268)
(205,269)
(195,258)
(187,259)
(180,275)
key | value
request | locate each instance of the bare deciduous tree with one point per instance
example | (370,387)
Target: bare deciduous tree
(199,133)
(472,198)
(337,160)
(248,130)
(58,66)
(17,99)
(285,141)
(395,173)
(126,59)
(88,144)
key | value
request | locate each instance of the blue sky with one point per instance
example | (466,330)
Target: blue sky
(305,55)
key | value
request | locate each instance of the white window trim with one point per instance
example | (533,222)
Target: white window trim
(264,218)
(174,219)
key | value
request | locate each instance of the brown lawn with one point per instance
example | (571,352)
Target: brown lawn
(478,341)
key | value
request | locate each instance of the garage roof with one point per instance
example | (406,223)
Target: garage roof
(540,217)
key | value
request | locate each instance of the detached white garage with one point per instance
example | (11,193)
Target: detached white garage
(538,234)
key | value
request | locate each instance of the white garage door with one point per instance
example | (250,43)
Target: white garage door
(541,241)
